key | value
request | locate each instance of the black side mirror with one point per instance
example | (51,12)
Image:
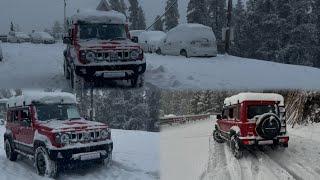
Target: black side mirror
(219,117)
(135,39)
(26,123)
(67,40)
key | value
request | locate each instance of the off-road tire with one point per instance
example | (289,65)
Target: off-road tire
(44,165)
(184,53)
(65,70)
(217,136)
(137,81)
(266,122)
(236,148)
(9,149)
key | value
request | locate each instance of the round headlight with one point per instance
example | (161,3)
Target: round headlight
(104,134)
(135,54)
(64,138)
(90,56)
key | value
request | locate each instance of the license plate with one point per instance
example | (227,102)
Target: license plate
(90,156)
(114,74)
(265,142)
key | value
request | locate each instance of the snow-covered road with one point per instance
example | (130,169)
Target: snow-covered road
(37,65)
(135,157)
(189,152)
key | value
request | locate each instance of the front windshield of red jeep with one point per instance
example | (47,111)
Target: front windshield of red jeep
(57,112)
(257,110)
(102,31)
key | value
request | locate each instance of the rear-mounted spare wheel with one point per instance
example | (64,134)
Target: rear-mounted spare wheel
(268,126)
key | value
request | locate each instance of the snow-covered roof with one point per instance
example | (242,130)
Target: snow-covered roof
(151,36)
(189,32)
(254,97)
(28,98)
(4,100)
(95,16)
(136,32)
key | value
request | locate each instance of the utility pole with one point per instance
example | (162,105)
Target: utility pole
(65,16)
(228,31)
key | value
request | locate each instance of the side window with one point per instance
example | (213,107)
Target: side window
(15,116)
(236,113)
(9,116)
(231,113)
(25,114)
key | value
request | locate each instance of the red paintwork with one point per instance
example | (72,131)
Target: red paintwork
(246,128)
(102,46)
(26,134)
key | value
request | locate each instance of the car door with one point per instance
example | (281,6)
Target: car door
(27,132)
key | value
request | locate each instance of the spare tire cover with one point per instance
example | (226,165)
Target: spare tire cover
(268,126)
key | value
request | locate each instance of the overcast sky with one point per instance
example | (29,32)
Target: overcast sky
(39,14)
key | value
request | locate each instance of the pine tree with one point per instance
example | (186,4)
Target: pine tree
(57,29)
(158,26)
(141,19)
(171,19)
(317,19)
(240,33)
(118,5)
(197,12)
(134,14)
(217,16)
(11,27)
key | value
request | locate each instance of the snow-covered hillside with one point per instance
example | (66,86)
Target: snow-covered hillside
(135,156)
(36,65)
(197,156)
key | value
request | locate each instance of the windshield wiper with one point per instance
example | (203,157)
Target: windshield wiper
(117,38)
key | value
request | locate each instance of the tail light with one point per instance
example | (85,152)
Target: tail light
(284,140)
(248,142)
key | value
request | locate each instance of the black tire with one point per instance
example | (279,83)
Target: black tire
(217,136)
(65,70)
(236,148)
(9,149)
(268,126)
(44,165)
(184,53)
(137,81)
(106,162)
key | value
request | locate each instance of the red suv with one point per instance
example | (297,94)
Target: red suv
(252,119)
(99,46)
(47,128)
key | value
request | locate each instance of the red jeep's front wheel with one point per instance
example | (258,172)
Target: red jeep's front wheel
(217,136)
(10,153)
(44,165)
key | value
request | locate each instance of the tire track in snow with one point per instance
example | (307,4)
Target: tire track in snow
(217,165)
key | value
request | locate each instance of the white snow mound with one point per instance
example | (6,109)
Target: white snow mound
(239,98)
(95,16)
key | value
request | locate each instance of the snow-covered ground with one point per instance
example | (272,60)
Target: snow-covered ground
(135,157)
(189,152)
(37,65)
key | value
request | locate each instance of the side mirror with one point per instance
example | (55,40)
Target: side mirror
(135,39)
(219,117)
(26,123)
(67,40)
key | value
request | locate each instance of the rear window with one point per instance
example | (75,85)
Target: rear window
(260,110)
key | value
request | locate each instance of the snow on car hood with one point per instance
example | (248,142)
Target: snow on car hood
(102,44)
(73,125)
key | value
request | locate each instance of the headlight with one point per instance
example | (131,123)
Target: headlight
(62,138)
(104,134)
(90,56)
(135,54)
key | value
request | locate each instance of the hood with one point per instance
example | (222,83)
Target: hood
(73,125)
(106,44)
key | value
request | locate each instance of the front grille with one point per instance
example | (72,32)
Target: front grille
(112,56)
(87,136)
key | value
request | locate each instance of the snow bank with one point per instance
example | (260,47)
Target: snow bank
(27,98)
(152,37)
(94,16)
(254,97)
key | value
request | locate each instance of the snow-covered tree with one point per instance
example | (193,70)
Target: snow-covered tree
(171,19)
(118,5)
(136,16)
(217,16)
(158,26)
(57,29)
(197,12)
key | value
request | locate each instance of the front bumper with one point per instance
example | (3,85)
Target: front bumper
(78,154)
(126,71)
(249,141)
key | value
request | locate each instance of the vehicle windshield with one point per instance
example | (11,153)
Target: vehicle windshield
(102,31)
(57,112)
(257,110)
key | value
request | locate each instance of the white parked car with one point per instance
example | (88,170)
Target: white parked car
(42,37)
(1,54)
(150,40)
(135,35)
(18,37)
(190,40)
